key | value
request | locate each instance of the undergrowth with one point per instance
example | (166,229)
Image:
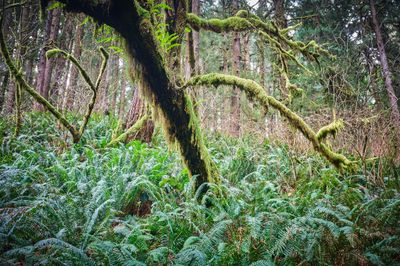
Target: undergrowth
(134,204)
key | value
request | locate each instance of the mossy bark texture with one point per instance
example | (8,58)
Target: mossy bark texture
(172,105)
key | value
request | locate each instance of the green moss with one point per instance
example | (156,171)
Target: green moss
(133,129)
(198,140)
(331,129)
(23,84)
(255,91)
(218,25)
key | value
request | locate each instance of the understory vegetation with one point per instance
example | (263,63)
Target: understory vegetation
(134,204)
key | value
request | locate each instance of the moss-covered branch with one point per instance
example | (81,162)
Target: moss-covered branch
(331,129)
(93,86)
(255,91)
(22,83)
(92,102)
(278,39)
(133,129)
(70,57)
(244,21)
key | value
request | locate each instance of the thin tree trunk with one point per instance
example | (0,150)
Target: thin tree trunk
(42,60)
(387,76)
(4,97)
(115,84)
(73,81)
(136,111)
(4,86)
(235,98)
(10,89)
(196,38)
(261,52)
(279,8)
(55,24)
(246,52)
(60,73)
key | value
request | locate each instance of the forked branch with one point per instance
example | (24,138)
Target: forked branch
(23,84)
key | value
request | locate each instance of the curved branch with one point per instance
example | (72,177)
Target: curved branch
(134,128)
(254,90)
(93,86)
(244,21)
(70,57)
(39,98)
(92,102)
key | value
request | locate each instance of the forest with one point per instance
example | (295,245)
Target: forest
(200,132)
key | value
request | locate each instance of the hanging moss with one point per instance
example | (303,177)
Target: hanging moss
(254,90)
(331,129)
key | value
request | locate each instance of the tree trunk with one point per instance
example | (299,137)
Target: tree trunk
(235,98)
(42,60)
(4,86)
(246,52)
(73,81)
(55,24)
(60,73)
(121,104)
(196,38)
(387,76)
(136,111)
(281,22)
(173,106)
(115,84)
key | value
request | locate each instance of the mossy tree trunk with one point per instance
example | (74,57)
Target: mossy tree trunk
(173,106)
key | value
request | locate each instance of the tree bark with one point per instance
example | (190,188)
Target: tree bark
(173,106)
(42,60)
(136,111)
(55,25)
(4,86)
(281,22)
(235,98)
(73,81)
(121,104)
(60,73)
(115,84)
(395,114)
(196,38)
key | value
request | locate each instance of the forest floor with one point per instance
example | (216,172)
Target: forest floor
(134,204)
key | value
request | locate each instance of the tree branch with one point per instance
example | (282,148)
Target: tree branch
(19,79)
(134,128)
(255,91)
(93,86)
